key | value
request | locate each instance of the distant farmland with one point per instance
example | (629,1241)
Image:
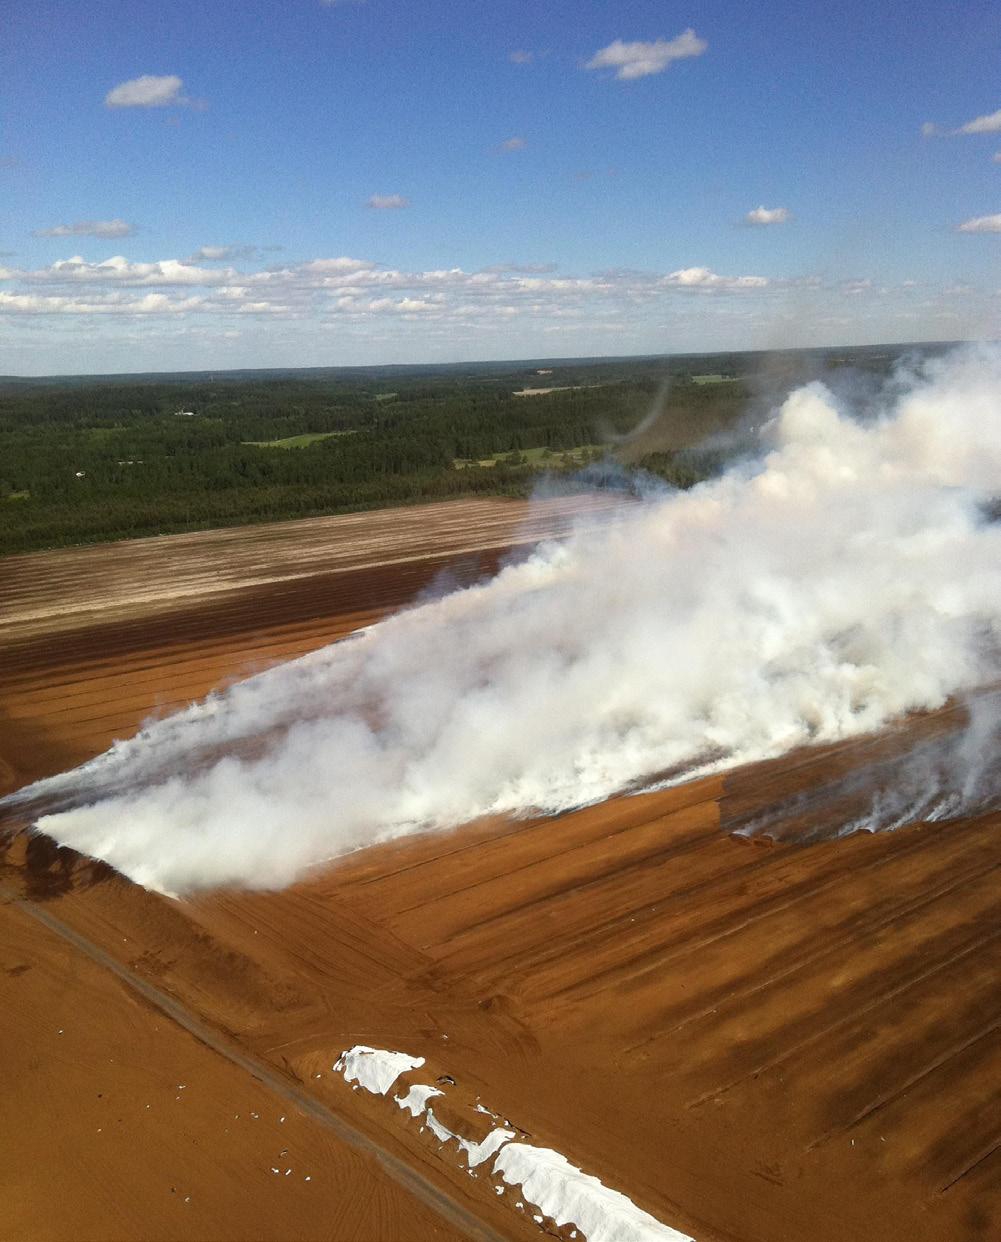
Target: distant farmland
(87,460)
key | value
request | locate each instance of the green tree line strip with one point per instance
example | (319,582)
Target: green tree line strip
(89,460)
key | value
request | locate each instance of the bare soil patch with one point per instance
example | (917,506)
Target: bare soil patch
(756,1042)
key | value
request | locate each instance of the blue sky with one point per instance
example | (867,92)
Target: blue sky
(220,184)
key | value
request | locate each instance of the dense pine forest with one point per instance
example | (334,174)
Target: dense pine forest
(101,458)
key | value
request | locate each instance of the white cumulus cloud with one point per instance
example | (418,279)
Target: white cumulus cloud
(520,57)
(89,228)
(338,266)
(388,202)
(990,124)
(768,215)
(981,224)
(639,60)
(704,278)
(99,304)
(214,254)
(148,91)
(513,144)
(401,306)
(118,271)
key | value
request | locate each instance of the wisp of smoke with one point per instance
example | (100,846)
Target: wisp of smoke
(848,576)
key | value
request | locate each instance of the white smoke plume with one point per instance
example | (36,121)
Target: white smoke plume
(848,576)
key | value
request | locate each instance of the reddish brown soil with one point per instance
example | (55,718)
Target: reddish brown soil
(760,1043)
(119,1124)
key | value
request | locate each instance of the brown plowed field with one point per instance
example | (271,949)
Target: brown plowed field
(757,1043)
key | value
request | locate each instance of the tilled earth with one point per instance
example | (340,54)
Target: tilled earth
(756,1041)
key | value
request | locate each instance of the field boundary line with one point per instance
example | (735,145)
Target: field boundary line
(398,1170)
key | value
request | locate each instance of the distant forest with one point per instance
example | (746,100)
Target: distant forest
(90,459)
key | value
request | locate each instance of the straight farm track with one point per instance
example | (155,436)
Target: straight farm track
(756,1042)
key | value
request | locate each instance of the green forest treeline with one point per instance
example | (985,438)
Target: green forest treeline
(83,461)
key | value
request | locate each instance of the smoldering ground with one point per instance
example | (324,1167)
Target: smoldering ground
(846,576)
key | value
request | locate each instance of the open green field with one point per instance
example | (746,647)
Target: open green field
(538,457)
(300,441)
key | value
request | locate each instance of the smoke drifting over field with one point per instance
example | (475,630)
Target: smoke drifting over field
(845,577)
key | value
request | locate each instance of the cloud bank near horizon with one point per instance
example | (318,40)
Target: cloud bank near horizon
(335,287)
(235,305)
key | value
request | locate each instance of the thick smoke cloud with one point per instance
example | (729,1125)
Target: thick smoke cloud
(847,576)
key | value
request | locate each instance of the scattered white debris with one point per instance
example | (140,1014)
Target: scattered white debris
(415,1101)
(441,1133)
(570,1197)
(553,1185)
(375,1069)
(281,1118)
(274,1170)
(307,1178)
(476,1153)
